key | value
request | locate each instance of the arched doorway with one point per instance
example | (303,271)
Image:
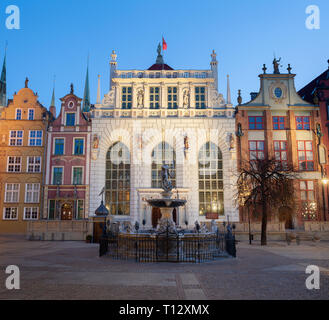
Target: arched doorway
(66,211)
(285,215)
(156,216)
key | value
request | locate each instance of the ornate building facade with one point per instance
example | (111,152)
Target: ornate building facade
(23,125)
(278,123)
(68,162)
(317,92)
(156,116)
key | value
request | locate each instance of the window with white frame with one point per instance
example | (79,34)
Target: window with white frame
(32,192)
(18,114)
(57,175)
(35,138)
(31,213)
(31,114)
(10,213)
(34,164)
(16,138)
(14,164)
(154,97)
(12,192)
(78,146)
(77,175)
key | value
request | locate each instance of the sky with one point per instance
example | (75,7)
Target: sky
(57,36)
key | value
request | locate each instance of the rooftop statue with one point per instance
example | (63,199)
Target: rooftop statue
(276,65)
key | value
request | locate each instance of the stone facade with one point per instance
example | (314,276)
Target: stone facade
(146,108)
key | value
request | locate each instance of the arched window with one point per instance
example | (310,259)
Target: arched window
(211,193)
(163,153)
(118,179)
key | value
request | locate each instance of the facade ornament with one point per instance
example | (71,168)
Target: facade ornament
(165,175)
(72,89)
(276,65)
(186,146)
(113,56)
(140,98)
(315,97)
(95,141)
(186,99)
(264,68)
(26,82)
(232,141)
(239,97)
(289,68)
(109,98)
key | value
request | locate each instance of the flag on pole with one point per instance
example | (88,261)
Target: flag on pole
(164,44)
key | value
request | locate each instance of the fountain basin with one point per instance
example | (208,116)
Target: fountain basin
(166,203)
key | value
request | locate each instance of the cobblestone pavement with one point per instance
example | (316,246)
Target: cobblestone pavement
(73,270)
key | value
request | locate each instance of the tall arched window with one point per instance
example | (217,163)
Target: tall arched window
(163,153)
(118,179)
(211,193)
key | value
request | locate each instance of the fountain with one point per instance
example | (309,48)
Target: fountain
(166,243)
(166,204)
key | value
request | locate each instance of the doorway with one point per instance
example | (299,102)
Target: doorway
(156,216)
(285,215)
(67,211)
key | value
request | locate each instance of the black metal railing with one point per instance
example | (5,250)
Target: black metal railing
(168,246)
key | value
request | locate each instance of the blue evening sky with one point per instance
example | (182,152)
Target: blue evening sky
(56,37)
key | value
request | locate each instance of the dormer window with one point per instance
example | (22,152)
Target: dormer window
(31,114)
(70,119)
(18,114)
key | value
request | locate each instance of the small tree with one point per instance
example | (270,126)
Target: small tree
(265,184)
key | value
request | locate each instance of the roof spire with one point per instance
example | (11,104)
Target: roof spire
(52,104)
(3,82)
(52,107)
(86,96)
(228,90)
(98,100)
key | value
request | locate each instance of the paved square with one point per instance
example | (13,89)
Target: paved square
(73,270)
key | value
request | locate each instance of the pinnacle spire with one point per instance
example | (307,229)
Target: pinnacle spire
(98,100)
(3,83)
(86,96)
(229,101)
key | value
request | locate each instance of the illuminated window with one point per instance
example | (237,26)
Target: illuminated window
(256,150)
(280,153)
(308,201)
(211,188)
(163,153)
(117,188)
(305,155)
